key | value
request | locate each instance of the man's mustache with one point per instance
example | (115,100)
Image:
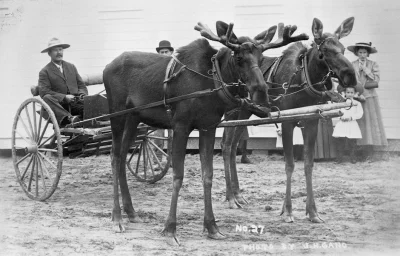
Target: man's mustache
(59,55)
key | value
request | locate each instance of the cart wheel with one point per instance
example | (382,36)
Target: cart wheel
(144,164)
(36,136)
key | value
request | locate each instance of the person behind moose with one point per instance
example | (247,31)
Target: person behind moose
(164,48)
(347,130)
(368,75)
(242,147)
(60,83)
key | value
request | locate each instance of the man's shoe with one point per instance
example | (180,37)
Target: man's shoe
(245,160)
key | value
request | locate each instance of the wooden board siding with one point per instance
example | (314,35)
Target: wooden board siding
(98,31)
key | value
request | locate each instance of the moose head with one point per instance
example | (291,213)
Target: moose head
(331,51)
(247,53)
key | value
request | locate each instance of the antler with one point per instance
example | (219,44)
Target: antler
(206,32)
(284,37)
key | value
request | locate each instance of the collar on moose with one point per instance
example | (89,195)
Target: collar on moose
(239,99)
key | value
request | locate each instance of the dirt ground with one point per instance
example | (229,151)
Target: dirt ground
(360,205)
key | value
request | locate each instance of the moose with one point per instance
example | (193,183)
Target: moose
(135,79)
(300,77)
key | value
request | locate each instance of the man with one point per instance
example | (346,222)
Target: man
(164,48)
(60,83)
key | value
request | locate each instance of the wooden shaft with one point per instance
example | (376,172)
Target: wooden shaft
(292,118)
(310,109)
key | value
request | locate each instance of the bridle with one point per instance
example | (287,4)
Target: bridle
(239,100)
(307,86)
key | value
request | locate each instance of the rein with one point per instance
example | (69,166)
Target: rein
(306,85)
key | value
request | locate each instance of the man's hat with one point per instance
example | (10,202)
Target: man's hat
(164,44)
(354,48)
(55,42)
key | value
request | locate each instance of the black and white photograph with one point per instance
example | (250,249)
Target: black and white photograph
(213,127)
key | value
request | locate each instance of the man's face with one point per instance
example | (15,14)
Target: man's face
(165,52)
(56,54)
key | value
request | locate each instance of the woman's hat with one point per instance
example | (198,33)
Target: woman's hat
(164,44)
(354,48)
(55,42)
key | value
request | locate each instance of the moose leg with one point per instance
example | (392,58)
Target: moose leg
(239,199)
(287,141)
(117,126)
(227,152)
(310,134)
(206,146)
(179,142)
(127,137)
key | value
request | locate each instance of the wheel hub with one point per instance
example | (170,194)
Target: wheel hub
(33,148)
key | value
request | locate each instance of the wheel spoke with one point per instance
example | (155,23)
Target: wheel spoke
(25,127)
(34,121)
(154,155)
(49,138)
(22,159)
(133,153)
(44,130)
(149,159)
(27,167)
(144,159)
(157,137)
(44,167)
(47,159)
(40,166)
(138,160)
(48,149)
(25,139)
(157,147)
(30,123)
(37,176)
(32,171)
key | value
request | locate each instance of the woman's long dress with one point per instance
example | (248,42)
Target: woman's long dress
(371,125)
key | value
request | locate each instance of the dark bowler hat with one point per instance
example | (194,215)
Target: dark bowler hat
(354,48)
(164,44)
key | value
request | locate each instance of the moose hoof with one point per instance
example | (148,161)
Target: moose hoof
(316,219)
(170,238)
(135,219)
(288,217)
(118,227)
(240,199)
(234,204)
(217,236)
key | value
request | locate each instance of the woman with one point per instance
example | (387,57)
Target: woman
(367,72)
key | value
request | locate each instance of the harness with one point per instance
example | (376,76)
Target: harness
(237,101)
(306,86)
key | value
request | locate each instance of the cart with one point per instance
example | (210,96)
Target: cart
(39,145)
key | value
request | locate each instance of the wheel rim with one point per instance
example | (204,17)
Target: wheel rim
(144,163)
(39,168)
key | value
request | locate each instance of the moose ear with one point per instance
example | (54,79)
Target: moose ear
(345,28)
(317,28)
(222,28)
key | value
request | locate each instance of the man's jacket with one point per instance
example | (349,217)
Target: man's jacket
(57,84)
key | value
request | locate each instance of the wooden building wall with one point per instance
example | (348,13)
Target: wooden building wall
(98,31)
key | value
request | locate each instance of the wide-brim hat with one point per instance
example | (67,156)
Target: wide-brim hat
(354,48)
(164,44)
(55,42)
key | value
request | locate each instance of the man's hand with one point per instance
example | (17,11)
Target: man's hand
(69,98)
